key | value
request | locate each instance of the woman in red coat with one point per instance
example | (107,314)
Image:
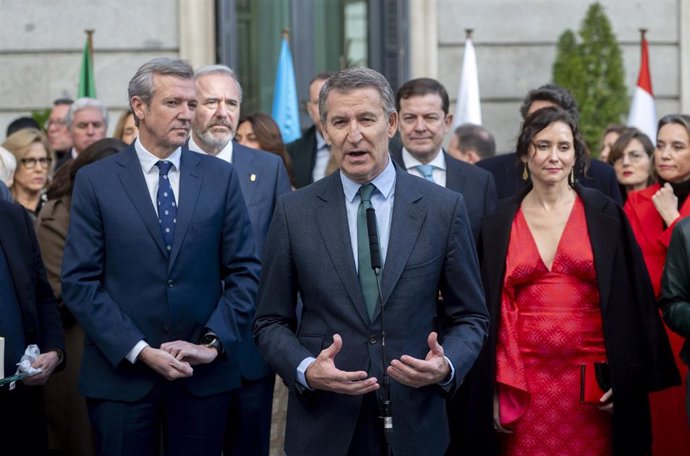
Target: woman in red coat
(653,213)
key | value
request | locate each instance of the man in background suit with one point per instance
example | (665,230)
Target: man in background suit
(471,143)
(28,315)
(422,106)
(87,122)
(508,170)
(310,154)
(262,178)
(318,248)
(161,289)
(56,128)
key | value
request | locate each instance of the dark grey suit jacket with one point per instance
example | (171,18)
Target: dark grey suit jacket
(430,249)
(476,185)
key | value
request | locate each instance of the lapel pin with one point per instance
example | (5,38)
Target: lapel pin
(252,177)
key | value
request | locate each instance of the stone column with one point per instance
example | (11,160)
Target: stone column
(197,32)
(684,53)
(423,38)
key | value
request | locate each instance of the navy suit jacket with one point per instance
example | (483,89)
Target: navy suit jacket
(41,323)
(122,286)
(5,192)
(507,172)
(475,184)
(309,252)
(263,178)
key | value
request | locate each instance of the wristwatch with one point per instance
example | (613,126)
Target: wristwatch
(212,341)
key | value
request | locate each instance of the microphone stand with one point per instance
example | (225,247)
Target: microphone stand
(385,407)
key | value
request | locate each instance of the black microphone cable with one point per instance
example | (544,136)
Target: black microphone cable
(386,413)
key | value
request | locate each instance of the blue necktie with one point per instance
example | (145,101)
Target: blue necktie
(167,209)
(427,171)
(367,278)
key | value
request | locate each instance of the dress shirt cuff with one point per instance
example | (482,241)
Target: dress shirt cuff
(302,371)
(452,374)
(134,352)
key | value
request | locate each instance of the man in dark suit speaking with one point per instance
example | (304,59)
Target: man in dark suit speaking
(334,361)
(160,270)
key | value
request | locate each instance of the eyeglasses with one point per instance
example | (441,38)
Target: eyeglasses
(30,163)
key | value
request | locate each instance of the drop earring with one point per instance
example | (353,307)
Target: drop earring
(525,174)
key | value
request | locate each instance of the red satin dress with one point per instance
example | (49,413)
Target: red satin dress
(550,325)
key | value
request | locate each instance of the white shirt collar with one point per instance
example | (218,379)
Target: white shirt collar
(384,182)
(224,154)
(410,161)
(148,160)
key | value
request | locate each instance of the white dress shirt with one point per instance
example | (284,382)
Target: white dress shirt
(439,164)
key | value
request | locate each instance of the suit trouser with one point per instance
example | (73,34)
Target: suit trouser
(190,425)
(248,430)
(368,438)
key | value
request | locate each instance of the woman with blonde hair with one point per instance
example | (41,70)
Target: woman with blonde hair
(34,167)
(125,128)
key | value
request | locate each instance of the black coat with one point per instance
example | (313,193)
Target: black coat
(636,344)
(40,316)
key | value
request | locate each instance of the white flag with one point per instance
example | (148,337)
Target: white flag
(467,108)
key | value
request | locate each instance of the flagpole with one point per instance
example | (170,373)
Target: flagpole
(468,104)
(642,113)
(89,39)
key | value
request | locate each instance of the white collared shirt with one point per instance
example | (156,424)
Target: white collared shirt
(148,166)
(439,164)
(225,154)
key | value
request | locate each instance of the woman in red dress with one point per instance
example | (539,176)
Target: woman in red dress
(566,287)
(653,213)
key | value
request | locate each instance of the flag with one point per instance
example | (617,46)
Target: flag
(285,108)
(87,84)
(467,108)
(642,110)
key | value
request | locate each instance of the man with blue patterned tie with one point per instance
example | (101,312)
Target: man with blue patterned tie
(160,270)
(424,121)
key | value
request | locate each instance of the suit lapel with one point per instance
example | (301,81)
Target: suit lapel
(242,158)
(132,179)
(455,178)
(603,236)
(190,185)
(406,223)
(336,237)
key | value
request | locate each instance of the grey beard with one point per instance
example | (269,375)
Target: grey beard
(211,142)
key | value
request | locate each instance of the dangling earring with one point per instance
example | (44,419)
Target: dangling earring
(525,174)
(571,178)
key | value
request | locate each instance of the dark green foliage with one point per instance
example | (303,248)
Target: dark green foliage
(593,71)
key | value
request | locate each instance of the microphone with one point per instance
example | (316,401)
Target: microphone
(373,241)
(386,413)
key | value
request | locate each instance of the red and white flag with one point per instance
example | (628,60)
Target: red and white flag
(467,107)
(642,109)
